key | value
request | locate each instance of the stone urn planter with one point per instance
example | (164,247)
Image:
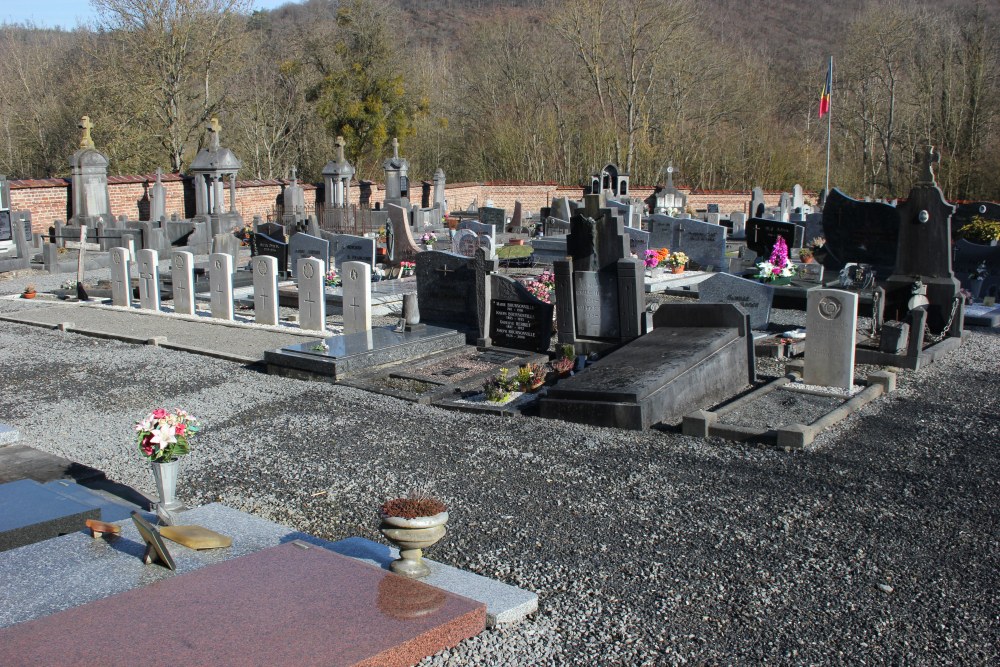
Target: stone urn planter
(411,535)
(516,241)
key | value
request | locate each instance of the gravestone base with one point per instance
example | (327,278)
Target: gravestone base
(353,353)
(663,375)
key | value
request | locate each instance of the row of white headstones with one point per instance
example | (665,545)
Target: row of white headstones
(311,282)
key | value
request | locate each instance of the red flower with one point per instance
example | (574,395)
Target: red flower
(159,413)
(179,429)
(147,446)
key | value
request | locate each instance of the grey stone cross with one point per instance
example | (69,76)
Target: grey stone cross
(926,160)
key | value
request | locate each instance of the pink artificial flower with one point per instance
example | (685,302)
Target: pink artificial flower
(180,428)
(147,446)
(159,413)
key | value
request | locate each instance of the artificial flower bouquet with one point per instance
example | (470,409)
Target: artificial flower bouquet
(165,435)
(777,266)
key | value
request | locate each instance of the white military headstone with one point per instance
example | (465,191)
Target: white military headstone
(265,289)
(831,321)
(220,283)
(312,294)
(182,275)
(121,278)
(356,279)
(149,279)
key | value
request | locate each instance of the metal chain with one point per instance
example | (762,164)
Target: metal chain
(876,328)
(951,320)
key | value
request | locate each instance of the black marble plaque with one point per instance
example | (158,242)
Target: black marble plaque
(262,244)
(521,325)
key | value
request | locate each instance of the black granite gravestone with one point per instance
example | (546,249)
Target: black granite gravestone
(978,268)
(262,244)
(860,232)
(763,234)
(446,290)
(493,216)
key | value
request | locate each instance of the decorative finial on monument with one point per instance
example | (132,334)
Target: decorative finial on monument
(339,143)
(159,175)
(670,174)
(86,141)
(214,128)
(926,159)
(395,147)
(293,175)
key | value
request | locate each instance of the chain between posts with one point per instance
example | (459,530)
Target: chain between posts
(951,320)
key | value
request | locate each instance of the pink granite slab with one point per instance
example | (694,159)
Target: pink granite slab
(286,605)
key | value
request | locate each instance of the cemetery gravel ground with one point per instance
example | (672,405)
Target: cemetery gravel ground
(878,545)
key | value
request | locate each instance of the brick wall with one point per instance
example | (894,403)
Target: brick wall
(49,199)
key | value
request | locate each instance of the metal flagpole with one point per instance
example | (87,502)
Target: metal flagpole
(829,125)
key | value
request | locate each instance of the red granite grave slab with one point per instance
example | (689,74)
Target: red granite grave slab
(286,605)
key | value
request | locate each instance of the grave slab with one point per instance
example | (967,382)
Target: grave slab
(75,569)
(307,606)
(349,354)
(30,512)
(696,355)
(23,462)
(8,435)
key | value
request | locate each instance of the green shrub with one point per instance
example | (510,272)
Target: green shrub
(981,230)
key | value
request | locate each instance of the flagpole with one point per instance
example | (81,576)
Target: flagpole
(829,127)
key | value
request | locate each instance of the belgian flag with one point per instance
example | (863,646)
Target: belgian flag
(824,97)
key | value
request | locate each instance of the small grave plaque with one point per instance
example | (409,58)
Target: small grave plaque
(156,550)
(753,297)
(349,248)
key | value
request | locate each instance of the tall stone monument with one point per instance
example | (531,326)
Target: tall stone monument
(212,167)
(337,175)
(397,181)
(599,289)
(923,277)
(89,169)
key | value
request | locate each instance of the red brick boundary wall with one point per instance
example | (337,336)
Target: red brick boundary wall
(49,199)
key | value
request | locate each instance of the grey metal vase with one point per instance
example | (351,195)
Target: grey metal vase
(165,475)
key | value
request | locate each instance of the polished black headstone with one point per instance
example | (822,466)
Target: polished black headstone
(860,232)
(763,234)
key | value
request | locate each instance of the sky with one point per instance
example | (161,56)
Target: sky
(67,14)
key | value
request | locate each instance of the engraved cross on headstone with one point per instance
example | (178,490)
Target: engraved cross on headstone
(926,159)
(445,270)
(310,301)
(147,279)
(86,141)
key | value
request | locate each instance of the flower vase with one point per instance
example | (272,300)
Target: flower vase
(677,269)
(411,537)
(165,475)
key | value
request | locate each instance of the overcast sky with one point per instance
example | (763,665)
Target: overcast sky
(68,14)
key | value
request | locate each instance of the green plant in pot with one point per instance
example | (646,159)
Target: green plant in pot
(499,387)
(413,524)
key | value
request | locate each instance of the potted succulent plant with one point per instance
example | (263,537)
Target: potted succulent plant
(413,524)
(806,255)
(29,291)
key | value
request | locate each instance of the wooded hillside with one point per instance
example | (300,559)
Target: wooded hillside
(514,90)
